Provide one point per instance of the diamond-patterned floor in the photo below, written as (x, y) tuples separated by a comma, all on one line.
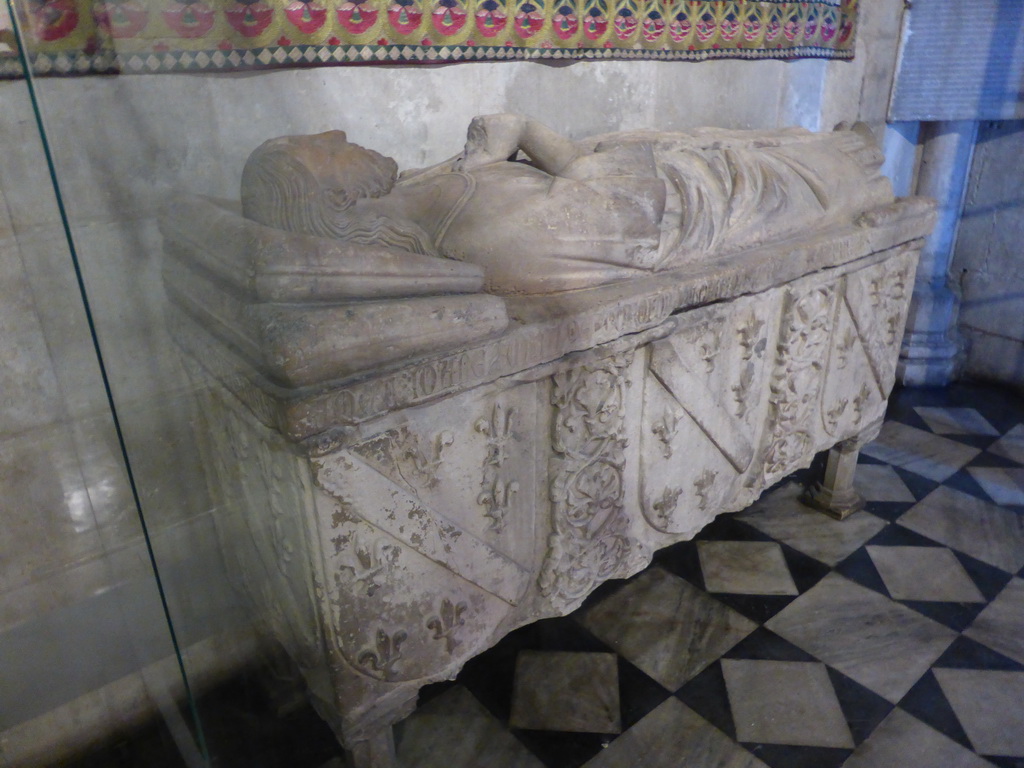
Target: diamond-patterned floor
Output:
[(778, 638), (782, 638)]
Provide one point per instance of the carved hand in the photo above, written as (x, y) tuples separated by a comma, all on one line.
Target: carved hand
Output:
[(490, 139)]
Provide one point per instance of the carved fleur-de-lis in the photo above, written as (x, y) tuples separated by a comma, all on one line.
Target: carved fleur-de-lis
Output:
[(860, 400), (898, 288), (892, 328), (388, 651), (665, 428), (369, 560), (702, 484), (446, 621), (498, 429), (834, 413), (418, 465), (875, 291), (708, 350), (498, 500), (748, 337), (844, 348), (666, 505), (741, 390)]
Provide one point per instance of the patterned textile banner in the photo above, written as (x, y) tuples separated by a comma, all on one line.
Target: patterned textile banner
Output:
[(84, 36)]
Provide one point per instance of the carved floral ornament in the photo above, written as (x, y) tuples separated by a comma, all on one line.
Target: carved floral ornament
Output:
[(589, 543), (157, 35), (796, 378)]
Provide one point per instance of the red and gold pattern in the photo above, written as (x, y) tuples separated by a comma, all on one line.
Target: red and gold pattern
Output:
[(127, 34)]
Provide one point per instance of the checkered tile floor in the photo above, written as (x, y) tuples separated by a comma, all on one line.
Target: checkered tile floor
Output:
[(782, 638)]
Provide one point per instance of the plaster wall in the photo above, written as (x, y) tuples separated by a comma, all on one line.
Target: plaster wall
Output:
[(989, 257), (122, 146)]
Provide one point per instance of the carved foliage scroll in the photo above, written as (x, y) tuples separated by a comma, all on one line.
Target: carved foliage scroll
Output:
[(888, 299), (796, 381), (589, 542)]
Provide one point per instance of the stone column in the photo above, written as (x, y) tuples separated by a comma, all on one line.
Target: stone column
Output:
[(931, 352)]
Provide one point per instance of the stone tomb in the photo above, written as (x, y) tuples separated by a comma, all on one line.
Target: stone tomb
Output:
[(421, 446)]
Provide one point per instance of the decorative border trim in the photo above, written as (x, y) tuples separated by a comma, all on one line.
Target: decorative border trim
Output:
[(79, 37), (287, 57)]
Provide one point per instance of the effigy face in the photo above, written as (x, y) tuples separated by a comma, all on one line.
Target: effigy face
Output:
[(417, 466)]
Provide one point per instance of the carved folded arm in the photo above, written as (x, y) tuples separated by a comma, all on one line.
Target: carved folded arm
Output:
[(494, 138)]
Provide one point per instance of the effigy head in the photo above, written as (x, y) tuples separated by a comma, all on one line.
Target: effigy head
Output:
[(306, 183)]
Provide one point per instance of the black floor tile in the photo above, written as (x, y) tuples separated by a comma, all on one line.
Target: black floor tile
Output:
[(928, 703), (786, 756), (862, 708), (683, 560), (638, 694), (560, 749), (1002, 407), (963, 481), (764, 645), (1005, 762), (863, 458), (956, 616), (918, 485), (430, 692), (898, 536), (986, 459), (890, 511), (805, 570), (757, 608), (860, 568), (706, 695), (975, 441), (901, 409), (966, 653), (490, 677), (989, 579), (730, 528)]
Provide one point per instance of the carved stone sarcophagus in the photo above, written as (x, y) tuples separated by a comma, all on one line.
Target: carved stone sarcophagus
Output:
[(411, 467)]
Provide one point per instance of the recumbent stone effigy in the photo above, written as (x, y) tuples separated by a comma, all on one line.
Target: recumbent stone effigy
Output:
[(441, 405)]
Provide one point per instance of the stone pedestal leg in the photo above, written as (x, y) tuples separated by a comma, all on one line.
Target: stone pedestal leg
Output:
[(376, 752), (834, 494)]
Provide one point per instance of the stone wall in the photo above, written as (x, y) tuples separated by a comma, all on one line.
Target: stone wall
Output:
[(121, 147), (988, 260)]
